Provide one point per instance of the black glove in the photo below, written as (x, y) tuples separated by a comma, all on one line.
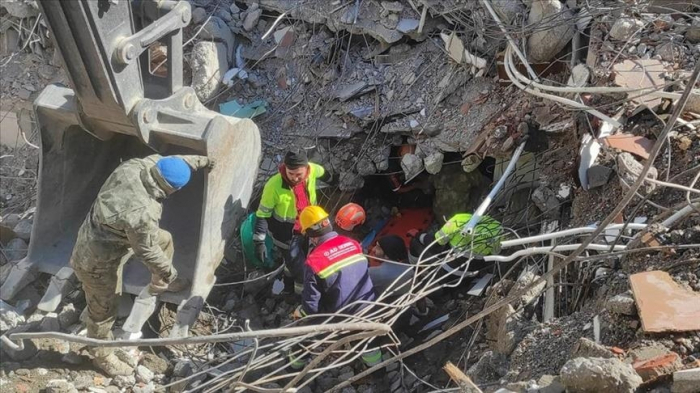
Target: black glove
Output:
[(261, 251)]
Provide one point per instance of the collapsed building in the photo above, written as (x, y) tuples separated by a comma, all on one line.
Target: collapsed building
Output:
[(421, 106)]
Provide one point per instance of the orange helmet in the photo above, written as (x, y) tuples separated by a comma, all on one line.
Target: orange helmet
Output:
[(350, 216)]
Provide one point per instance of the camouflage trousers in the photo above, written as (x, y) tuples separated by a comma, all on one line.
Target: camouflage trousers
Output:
[(100, 280)]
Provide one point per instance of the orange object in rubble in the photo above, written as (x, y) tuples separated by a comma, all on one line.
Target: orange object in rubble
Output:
[(350, 216)]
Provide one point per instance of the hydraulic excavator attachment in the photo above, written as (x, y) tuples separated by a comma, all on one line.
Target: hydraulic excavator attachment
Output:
[(116, 110)]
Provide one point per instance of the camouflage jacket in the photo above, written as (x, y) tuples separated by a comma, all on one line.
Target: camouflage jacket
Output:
[(126, 214)]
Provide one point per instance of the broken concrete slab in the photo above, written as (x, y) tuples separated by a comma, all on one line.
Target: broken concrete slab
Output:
[(554, 27), (411, 165), (491, 366), (583, 375), (586, 348), (16, 249), (639, 74), (686, 381), (356, 89), (663, 305), (209, 64), (433, 162), (637, 145), (9, 317)]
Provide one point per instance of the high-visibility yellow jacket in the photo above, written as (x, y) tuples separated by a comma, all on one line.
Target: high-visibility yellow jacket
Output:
[(278, 204), (485, 240)]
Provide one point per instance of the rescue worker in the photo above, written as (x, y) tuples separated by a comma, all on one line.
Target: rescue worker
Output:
[(335, 274), (486, 240), (390, 248), (125, 217), (284, 196)]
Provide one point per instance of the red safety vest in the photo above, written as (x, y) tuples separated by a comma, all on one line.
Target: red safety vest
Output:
[(335, 254)]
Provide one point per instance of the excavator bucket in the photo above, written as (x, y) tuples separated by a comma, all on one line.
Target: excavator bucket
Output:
[(109, 117)]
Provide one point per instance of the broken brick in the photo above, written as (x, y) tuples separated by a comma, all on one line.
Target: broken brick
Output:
[(658, 366)]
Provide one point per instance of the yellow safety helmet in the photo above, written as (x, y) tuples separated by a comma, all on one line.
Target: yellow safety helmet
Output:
[(311, 216)]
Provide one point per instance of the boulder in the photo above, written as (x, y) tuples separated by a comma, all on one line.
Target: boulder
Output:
[(554, 27), (668, 51), (692, 35), (624, 28), (209, 64), (217, 30), (587, 375)]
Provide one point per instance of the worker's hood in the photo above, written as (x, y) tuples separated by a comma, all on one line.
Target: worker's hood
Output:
[(155, 184)]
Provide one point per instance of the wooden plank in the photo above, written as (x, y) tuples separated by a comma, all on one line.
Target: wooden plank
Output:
[(464, 382)]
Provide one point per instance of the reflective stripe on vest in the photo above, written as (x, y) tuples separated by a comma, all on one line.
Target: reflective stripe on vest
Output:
[(278, 200), (333, 255)]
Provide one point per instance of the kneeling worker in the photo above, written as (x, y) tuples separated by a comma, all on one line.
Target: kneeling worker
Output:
[(335, 273), (486, 240), (125, 216)]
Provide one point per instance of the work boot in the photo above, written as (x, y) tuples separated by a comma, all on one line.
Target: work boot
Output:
[(112, 366)]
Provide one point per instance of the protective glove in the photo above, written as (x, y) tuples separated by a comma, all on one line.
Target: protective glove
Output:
[(211, 163), (261, 251), (159, 284)]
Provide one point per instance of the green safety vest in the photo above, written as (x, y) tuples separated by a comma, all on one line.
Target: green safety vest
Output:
[(278, 200), (486, 238)]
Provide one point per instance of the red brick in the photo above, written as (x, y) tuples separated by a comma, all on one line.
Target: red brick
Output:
[(617, 350), (658, 366)]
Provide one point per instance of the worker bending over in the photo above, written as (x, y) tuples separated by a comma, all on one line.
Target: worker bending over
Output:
[(390, 248), (335, 274), (285, 195), (124, 217), (486, 240)]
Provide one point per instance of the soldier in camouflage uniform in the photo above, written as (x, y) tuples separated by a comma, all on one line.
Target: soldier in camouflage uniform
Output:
[(125, 217)]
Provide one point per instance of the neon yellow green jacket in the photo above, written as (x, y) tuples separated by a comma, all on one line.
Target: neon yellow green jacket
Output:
[(486, 238)]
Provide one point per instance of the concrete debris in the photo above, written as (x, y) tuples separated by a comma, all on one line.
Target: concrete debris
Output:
[(433, 163), (664, 305), (9, 318), (586, 375), (668, 52), (143, 374), (155, 363), (209, 64), (350, 181), (491, 366), (455, 48), (554, 26), (629, 169), (411, 165), (622, 304), (20, 9), (526, 278), (640, 74), (624, 28), (199, 15), (68, 316), (598, 176), (251, 19), (686, 381), (546, 200), (216, 29), (586, 348), (16, 249), (23, 229), (50, 323), (60, 386), (548, 384)]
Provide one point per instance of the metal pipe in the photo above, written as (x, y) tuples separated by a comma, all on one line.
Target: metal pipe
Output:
[(469, 227), (155, 342), (679, 215), (546, 249), (564, 233)]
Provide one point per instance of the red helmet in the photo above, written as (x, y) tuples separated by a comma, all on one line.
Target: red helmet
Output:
[(350, 216)]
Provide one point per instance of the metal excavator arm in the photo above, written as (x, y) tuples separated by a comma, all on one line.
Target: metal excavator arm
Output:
[(118, 109)]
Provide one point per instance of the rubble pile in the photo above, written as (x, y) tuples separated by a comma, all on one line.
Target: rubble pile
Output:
[(436, 92)]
